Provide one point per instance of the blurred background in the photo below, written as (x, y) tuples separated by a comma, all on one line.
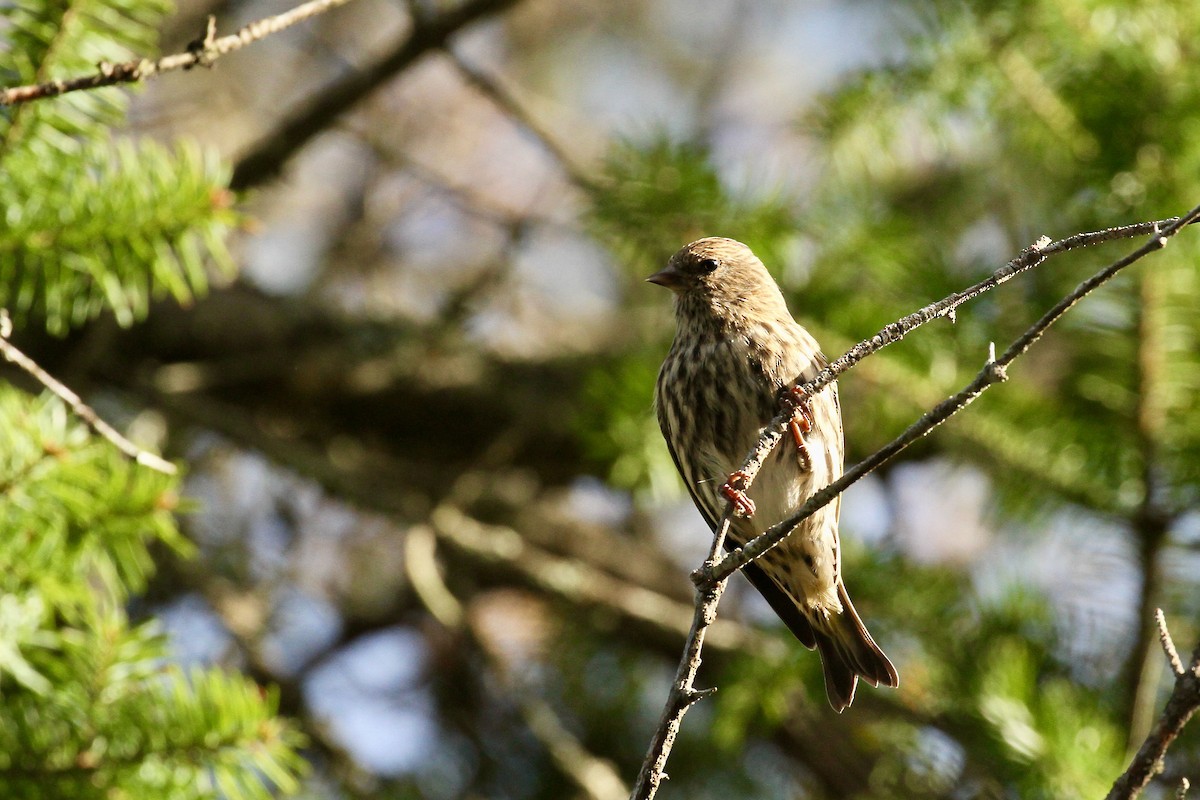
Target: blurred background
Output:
[(427, 493)]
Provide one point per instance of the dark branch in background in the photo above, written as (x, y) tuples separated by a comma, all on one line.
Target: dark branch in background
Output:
[(73, 401), (710, 578), (1181, 706), (429, 32), (595, 777), (203, 52), (510, 106), (576, 582), (1150, 522)]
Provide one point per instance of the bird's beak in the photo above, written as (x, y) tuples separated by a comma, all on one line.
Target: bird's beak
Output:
[(668, 276)]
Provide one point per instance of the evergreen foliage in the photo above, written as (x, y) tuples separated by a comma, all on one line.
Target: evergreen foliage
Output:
[(92, 222), (89, 705)]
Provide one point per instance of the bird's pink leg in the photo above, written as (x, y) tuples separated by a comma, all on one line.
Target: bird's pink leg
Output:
[(734, 490), (801, 422)]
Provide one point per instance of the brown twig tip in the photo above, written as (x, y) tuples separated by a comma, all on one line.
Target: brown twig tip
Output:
[(1168, 645)]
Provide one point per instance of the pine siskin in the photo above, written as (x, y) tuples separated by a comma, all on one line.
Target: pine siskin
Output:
[(736, 350)]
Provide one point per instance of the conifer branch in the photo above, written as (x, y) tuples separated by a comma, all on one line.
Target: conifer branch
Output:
[(202, 52)]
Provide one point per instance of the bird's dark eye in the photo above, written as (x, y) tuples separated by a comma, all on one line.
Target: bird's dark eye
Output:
[(707, 265)]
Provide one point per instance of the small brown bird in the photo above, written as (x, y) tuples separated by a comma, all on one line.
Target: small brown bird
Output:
[(736, 350)]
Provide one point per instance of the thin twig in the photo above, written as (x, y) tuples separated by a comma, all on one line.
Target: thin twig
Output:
[(1168, 646), (1181, 706), (684, 694), (507, 102), (202, 52), (81, 409), (711, 577)]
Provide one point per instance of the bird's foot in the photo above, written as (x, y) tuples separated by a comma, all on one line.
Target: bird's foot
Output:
[(801, 423), (734, 490)]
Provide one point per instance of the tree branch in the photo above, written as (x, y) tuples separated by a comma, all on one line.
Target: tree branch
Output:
[(1150, 522), (81, 409), (1181, 705), (711, 577), (595, 777), (1168, 644), (577, 582), (432, 32), (202, 52), (508, 104), (684, 694), (994, 371)]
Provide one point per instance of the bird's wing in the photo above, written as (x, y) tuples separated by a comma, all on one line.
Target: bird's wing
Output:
[(776, 598), (827, 403), (836, 454)]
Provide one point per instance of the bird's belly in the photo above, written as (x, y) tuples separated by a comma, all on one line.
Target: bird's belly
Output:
[(782, 486), (803, 564)]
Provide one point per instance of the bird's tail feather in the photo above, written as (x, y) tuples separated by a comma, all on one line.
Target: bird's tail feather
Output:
[(848, 652)]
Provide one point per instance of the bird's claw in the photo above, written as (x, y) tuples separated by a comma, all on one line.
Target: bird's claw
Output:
[(734, 490), (801, 423)]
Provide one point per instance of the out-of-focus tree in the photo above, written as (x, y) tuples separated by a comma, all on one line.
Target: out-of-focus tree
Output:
[(90, 706), (432, 507)]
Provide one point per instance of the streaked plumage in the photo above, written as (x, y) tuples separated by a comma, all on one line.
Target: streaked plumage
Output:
[(736, 347)]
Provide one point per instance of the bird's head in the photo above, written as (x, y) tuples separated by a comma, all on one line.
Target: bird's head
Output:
[(723, 275)]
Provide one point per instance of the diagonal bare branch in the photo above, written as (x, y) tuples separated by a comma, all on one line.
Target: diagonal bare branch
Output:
[(994, 371), (81, 409), (1181, 706), (203, 52), (710, 579), (429, 32)]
